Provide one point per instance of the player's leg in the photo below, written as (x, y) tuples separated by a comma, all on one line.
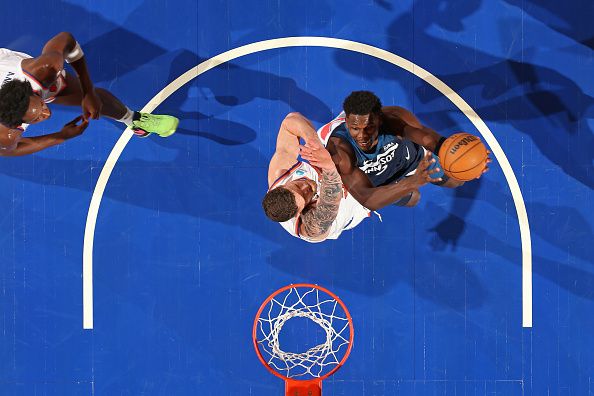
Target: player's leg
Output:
[(141, 123)]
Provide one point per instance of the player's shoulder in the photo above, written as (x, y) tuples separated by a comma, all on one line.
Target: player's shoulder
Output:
[(279, 170), (10, 61), (332, 127), (342, 153), (338, 144), (7, 52), (46, 65)]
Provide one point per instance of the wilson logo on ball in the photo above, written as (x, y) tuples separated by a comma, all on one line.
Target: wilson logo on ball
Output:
[(463, 156), (467, 139)]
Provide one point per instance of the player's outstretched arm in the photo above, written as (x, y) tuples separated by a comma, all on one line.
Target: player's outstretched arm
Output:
[(317, 220), (293, 127), (401, 122), (12, 145), (358, 183)]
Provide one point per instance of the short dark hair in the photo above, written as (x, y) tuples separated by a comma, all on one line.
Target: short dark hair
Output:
[(279, 204), (362, 103), (14, 102)]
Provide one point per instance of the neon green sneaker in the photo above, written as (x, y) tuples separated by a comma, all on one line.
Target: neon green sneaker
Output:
[(144, 124)]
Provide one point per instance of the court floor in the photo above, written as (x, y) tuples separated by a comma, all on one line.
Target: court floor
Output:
[(182, 255)]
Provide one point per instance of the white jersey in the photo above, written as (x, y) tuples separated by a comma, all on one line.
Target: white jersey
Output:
[(10, 69), (350, 212)]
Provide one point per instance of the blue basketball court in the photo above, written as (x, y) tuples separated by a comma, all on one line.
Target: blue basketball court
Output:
[(163, 245)]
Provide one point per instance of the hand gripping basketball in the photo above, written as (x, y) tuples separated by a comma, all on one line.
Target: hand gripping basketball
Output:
[(464, 157), (423, 174)]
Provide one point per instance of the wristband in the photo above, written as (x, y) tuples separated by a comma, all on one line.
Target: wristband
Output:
[(75, 54), (439, 144)]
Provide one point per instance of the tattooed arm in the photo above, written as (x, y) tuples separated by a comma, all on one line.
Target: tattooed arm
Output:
[(317, 220)]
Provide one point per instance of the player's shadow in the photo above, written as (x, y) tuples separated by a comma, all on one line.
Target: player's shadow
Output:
[(117, 57), (538, 101), (574, 280), (184, 103), (555, 118), (273, 19), (354, 263), (205, 189), (229, 85), (449, 230), (560, 226), (568, 19), (113, 52), (213, 193)]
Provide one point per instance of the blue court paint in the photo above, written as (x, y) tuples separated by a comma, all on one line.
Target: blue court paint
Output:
[(184, 256)]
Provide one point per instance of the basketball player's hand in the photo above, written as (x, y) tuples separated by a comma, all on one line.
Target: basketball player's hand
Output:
[(487, 162), (74, 128), (91, 105), (422, 175), (316, 154)]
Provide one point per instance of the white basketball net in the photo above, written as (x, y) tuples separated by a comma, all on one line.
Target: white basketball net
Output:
[(323, 310)]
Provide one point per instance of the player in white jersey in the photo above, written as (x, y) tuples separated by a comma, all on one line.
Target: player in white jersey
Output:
[(308, 199), (10, 69), (28, 84)]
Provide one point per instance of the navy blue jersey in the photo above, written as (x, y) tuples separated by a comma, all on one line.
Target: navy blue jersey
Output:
[(392, 159)]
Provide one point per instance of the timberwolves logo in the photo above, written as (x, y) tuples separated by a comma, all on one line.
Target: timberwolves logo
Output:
[(380, 163)]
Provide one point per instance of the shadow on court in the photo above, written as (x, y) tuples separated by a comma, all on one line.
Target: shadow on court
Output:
[(574, 280), (538, 101)]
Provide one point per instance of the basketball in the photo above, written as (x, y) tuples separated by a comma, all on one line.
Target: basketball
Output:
[(463, 156)]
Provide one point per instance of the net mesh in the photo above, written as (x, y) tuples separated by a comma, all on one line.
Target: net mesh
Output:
[(317, 306)]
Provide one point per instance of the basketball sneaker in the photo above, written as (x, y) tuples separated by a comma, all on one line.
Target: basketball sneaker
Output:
[(143, 124)]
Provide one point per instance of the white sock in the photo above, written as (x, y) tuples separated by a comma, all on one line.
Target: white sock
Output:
[(127, 118)]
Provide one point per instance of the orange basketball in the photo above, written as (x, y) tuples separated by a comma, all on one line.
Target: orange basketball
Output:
[(463, 156)]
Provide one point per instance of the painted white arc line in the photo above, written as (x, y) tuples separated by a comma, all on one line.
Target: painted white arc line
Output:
[(312, 42)]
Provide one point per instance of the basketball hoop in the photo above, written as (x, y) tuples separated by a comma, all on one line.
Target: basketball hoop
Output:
[(303, 372)]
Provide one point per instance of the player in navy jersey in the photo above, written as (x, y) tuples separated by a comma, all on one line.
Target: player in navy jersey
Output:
[(383, 154)]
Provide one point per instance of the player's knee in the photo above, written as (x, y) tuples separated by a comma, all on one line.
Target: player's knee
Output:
[(414, 199)]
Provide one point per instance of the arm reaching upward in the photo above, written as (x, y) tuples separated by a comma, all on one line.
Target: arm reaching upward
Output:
[(358, 183), (399, 121), (293, 127), (317, 220)]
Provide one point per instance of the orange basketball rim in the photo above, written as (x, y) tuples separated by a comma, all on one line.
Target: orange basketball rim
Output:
[(303, 372)]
